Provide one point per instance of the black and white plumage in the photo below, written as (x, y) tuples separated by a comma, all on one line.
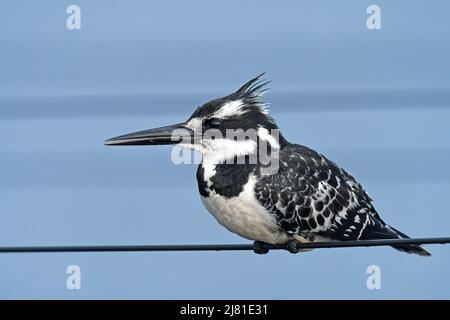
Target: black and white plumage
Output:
[(309, 198)]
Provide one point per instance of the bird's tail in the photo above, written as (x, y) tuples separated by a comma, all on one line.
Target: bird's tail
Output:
[(409, 248), (388, 232)]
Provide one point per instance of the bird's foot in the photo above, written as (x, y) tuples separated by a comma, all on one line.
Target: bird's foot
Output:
[(258, 247), (292, 246)]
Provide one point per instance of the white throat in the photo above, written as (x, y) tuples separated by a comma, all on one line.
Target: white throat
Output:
[(219, 150)]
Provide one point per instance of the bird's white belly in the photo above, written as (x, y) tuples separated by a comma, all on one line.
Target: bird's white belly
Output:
[(245, 216)]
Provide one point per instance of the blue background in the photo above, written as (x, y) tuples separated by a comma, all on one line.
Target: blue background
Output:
[(377, 102)]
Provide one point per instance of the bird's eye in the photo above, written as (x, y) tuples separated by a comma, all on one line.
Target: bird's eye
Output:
[(214, 123)]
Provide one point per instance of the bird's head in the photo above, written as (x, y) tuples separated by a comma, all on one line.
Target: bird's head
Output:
[(234, 125)]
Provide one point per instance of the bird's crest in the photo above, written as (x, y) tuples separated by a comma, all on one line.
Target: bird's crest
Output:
[(252, 91), (255, 87)]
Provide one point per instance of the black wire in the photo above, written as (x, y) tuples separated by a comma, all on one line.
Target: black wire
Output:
[(220, 247)]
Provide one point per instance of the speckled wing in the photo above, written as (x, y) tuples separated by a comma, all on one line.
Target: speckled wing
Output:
[(310, 195)]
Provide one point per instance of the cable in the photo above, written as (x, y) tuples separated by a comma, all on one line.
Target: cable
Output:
[(219, 247)]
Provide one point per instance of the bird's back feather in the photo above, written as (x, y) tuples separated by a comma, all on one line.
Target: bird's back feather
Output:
[(312, 196)]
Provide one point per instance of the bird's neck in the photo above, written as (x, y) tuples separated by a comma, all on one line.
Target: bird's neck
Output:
[(226, 179), (227, 165)]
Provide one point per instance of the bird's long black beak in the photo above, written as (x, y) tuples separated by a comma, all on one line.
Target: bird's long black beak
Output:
[(164, 135)]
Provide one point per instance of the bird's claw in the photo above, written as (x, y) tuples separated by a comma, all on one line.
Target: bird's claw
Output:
[(292, 246), (258, 247)]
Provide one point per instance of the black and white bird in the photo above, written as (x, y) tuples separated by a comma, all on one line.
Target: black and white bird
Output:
[(307, 199)]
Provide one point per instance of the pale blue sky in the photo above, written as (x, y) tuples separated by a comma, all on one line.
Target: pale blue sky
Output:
[(376, 102)]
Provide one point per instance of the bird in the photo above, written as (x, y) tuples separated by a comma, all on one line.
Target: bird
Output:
[(304, 198)]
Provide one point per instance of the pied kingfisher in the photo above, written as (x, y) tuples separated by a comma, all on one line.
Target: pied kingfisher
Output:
[(308, 198)]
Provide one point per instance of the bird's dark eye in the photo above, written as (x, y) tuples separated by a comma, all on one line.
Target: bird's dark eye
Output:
[(214, 123)]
